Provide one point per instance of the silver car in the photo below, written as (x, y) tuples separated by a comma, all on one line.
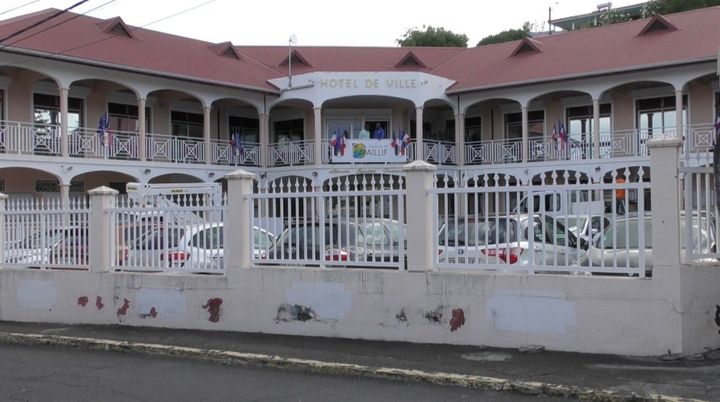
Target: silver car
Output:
[(189, 248), (619, 245), (478, 242)]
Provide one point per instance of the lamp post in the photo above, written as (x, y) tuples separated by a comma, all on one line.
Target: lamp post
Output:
[(291, 41)]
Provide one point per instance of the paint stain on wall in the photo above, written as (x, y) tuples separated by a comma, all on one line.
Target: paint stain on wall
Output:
[(152, 314), (401, 316), (213, 307), (83, 301), (124, 309), (288, 312), (98, 303), (434, 316), (457, 320), (717, 316)]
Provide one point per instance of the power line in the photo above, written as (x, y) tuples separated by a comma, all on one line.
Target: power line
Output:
[(58, 24), (136, 28), (42, 21), (19, 7)]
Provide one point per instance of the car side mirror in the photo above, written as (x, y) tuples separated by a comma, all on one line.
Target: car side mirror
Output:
[(584, 244)]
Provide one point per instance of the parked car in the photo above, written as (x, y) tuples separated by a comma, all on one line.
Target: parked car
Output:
[(192, 247), (42, 247), (344, 241), (619, 245), (585, 226), (482, 241)]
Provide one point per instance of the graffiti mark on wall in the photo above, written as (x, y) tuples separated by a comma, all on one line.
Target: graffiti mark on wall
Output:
[(124, 309), (717, 316), (213, 307), (457, 320), (82, 301), (288, 312)]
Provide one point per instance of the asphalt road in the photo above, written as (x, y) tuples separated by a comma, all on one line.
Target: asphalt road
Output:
[(32, 373)]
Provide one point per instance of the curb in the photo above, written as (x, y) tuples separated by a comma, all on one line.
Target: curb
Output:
[(330, 368)]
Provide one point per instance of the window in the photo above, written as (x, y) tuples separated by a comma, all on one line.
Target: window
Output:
[(47, 186), (2, 105), (473, 129), (289, 130), (53, 186), (125, 117), (536, 125), (580, 125), (210, 239), (46, 110), (249, 129), (427, 127), (2, 185), (656, 115), (349, 128), (186, 124)]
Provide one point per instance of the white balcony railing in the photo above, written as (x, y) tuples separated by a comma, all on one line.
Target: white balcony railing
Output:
[(225, 152), (291, 153), (89, 143), (494, 151), (439, 152), (29, 138), (166, 148)]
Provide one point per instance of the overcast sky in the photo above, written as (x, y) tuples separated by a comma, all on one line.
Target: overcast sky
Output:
[(321, 22)]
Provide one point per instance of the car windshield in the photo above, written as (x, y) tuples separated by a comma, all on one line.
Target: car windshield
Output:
[(477, 233), (156, 239), (576, 224), (46, 239), (625, 234), (302, 235)]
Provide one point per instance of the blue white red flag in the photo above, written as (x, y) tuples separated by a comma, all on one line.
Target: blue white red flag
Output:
[(102, 129)]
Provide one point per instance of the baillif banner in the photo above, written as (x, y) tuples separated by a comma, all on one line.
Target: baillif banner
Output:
[(370, 151)]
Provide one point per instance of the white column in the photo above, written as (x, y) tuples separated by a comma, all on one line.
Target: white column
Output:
[(3, 199), (264, 139), (665, 195), (64, 139), (679, 113), (65, 195), (317, 114), (99, 253), (206, 134), (419, 148), (525, 139), (460, 138), (238, 221), (142, 130), (421, 234), (596, 129)]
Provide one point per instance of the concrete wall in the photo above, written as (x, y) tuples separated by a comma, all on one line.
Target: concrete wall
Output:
[(571, 313)]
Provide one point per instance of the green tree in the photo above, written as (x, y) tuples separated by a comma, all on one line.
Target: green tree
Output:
[(508, 35), (675, 6), (431, 36)]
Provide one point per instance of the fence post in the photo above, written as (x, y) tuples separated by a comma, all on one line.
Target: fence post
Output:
[(421, 235), (3, 199), (101, 199), (665, 200), (238, 223)]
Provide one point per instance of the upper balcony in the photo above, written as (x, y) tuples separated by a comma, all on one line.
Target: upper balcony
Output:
[(43, 140)]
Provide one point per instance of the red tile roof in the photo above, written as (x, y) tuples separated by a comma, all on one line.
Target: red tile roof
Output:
[(587, 52)]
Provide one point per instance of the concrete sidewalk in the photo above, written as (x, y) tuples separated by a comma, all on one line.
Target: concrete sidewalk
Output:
[(596, 377)]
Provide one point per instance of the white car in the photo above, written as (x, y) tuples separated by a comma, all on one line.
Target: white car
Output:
[(619, 245), (503, 240), (585, 227), (189, 248)]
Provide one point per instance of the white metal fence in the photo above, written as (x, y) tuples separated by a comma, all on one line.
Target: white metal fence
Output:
[(173, 233), (46, 234), (699, 225), (354, 221), (561, 222)]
